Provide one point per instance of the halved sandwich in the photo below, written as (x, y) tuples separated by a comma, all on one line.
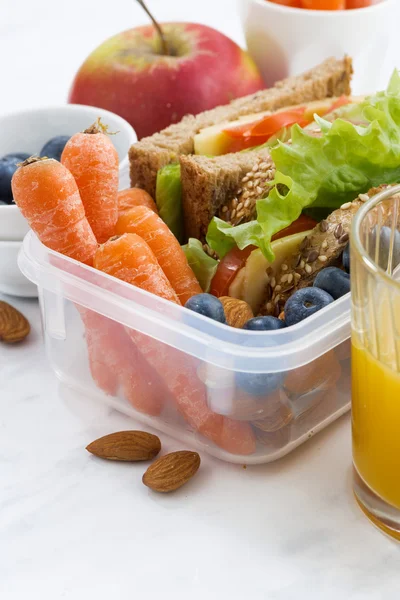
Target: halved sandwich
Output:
[(277, 214), (195, 168)]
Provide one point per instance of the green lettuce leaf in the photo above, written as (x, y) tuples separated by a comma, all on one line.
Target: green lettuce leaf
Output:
[(203, 265), (169, 198), (323, 172)]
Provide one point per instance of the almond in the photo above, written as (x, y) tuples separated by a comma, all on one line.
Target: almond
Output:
[(237, 312), (171, 471), (13, 325), (129, 446)]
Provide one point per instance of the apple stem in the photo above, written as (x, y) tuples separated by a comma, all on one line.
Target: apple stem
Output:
[(164, 43)]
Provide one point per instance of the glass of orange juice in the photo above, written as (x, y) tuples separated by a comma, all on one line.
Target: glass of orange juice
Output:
[(375, 285)]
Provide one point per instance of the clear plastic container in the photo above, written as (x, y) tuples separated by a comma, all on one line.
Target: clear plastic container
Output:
[(243, 396)]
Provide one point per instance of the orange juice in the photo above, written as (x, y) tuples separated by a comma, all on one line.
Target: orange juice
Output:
[(376, 425)]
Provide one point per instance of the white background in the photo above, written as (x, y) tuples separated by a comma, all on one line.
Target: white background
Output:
[(73, 527)]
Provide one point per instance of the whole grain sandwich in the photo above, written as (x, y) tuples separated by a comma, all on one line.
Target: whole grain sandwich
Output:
[(266, 187), (204, 157)]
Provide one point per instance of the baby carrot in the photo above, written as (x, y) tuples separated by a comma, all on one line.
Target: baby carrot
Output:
[(48, 197), (135, 197), (116, 362), (98, 333), (129, 258), (167, 250), (93, 161)]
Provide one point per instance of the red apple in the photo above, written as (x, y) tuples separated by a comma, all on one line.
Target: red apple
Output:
[(129, 75)]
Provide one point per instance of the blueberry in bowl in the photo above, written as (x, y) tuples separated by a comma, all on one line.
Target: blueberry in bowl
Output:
[(54, 147), (334, 281), (8, 166), (20, 156), (304, 303)]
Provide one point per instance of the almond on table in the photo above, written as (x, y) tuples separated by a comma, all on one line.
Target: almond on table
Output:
[(14, 327), (172, 471), (127, 446)]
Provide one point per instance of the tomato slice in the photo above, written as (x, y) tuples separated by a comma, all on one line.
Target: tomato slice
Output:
[(267, 126), (342, 101), (303, 223), (260, 131), (228, 269), (232, 262), (324, 4)]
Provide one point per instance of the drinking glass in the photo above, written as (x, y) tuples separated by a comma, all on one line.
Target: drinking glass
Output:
[(375, 295)]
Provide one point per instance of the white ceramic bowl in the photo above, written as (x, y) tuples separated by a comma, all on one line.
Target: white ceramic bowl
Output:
[(28, 131), (287, 41)]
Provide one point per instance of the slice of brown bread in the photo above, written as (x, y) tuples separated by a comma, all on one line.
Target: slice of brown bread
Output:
[(208, 182), (331, 78)]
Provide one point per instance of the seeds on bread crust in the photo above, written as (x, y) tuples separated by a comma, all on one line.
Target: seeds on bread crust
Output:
[(254, 185), (322, 248)]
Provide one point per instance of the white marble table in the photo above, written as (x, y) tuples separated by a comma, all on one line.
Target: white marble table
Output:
[(78, 528)]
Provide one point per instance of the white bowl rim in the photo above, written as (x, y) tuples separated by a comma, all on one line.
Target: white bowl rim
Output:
[(320, 13)]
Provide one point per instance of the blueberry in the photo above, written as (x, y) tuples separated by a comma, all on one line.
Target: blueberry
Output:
[(207, 305), (334, 281), (8, 166), (259, 384), (304, 303), (54, 147), (19, 156), (264, 324), (384, 246), (346, 258)]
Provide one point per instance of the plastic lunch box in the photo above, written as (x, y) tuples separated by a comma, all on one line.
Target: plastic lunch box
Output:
[(244, 397)]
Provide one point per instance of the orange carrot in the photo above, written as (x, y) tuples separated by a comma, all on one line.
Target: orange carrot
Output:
[(48, 197), (116, 361), (167, 250), (135, 197), (98, 331), (129, 258), (93, 161)]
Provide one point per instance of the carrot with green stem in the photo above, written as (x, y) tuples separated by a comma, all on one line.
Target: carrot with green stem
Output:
[(166, 248), (93, 161), (130, 259)]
